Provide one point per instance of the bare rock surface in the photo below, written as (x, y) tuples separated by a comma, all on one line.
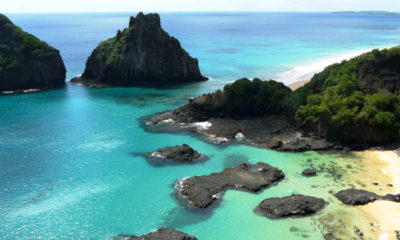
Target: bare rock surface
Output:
[(202, 191), (160, 234), (295, 205)]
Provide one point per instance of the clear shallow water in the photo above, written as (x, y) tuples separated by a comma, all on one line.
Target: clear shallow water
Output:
[(68, 167)]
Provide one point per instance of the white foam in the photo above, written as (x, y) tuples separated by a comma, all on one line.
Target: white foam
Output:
[(157, 154), (167, 121), (179, 184), (306, 70), (217, 140), (19, 91), (202, 125), (239, 136)]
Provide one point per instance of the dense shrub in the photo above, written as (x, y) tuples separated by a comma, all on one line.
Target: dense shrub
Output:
[(245, 98), (335, 99)]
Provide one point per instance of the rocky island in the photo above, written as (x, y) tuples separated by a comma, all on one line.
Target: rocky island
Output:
[(175, 155), (354, 104), (159, 234), (141, 55), (27, 63), (182, 153), (292, 206), (202, 191)]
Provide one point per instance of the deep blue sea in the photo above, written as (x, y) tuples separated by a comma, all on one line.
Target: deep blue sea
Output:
[(69, 167)]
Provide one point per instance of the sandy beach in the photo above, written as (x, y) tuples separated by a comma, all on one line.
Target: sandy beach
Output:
[(385, 213), (301, 74)]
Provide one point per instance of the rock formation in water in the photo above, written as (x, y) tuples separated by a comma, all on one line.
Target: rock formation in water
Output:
[(202, 191), (309, 172), (355, 197), (182, 153), (159, 234), (27, 62), (141, 55), (295, 205)]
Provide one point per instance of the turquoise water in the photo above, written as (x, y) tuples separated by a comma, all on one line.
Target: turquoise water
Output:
[(69, 166)]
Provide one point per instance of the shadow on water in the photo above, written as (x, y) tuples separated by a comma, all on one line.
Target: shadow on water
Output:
[(233, 160), (184, 215), (144, 100)]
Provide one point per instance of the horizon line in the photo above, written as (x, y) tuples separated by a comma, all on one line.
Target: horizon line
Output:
[(205, 11)]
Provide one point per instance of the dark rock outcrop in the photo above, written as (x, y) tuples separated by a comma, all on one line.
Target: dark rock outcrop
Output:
[(309, 172), (202, 191), (276, 132), (295, 205), (182, 153), (141, 55), (27, 62), (160, 234), (356, 197)]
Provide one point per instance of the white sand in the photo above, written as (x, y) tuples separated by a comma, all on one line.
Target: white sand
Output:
[(387, 214), (301, 74)]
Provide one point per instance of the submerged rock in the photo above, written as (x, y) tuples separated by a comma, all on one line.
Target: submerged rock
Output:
[(202, 191), (309, 172), (182, 153), (142, 54), (356, 197), (27, 63), (295, 205), (160, 234)]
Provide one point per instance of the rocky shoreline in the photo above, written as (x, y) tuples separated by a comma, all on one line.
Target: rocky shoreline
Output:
[(274, 132), (355, 197)]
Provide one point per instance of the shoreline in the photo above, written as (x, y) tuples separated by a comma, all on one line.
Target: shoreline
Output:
[(385, 213), (302, 73)]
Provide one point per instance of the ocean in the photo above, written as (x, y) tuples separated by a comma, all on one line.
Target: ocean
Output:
[(70, 159)]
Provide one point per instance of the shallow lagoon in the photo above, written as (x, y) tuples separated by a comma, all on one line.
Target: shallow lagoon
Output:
[(69, 168)]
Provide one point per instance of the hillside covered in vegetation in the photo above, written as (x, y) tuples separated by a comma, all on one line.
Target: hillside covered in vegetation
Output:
[(353, 101), (27, 62)]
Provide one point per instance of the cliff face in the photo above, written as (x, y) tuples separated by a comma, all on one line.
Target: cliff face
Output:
[(142, 54), (26, 62)]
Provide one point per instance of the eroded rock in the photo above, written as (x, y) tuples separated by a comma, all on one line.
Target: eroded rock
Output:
[(309, 172), (160, 234), (295, 205), (182, 153), (202, 191)]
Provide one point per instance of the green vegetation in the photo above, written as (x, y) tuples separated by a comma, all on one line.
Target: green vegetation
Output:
[(255, 97), (356, 99), (17, 47), (248, 98), (336, 100)]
